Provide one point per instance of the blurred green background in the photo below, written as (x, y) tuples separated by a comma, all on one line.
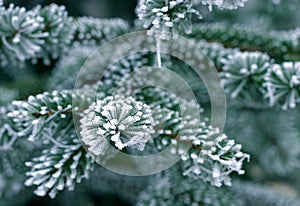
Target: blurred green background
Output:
[(261, 14)]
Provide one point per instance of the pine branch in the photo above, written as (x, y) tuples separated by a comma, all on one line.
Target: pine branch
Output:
[(212, 158), (87, 25), (45, 115), (49, 32), (249, 76), (244, 72), (282, 46), (217, 157), (8, 131), (58, 168), (14, 151), (165, 17), (21, 33), (283, 84), (60, 31), (252, 76), (48, 118)]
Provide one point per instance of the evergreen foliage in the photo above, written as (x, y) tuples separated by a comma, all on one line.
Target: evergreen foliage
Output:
[(42, 148)]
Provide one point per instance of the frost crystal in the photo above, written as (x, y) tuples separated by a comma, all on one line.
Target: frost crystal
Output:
[(223, 4), (123, 121)]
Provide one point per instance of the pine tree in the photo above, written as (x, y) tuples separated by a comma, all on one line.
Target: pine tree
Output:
[(90, 108)]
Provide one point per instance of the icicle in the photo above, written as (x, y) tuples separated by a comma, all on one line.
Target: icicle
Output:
[(158, 50)]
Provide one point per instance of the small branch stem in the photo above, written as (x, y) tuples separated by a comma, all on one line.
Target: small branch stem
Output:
[(58, 144), (9, 144)]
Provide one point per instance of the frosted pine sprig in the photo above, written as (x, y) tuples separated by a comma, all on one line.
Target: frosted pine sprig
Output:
[(48, 32), (58, 168), (212, 157), (166, 16), (283, 85), (122, 121), (217, 158), (22, 32), (243, 73), (60, 31), (43, 115)]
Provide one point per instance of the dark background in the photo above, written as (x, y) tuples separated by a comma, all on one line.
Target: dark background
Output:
[(96, 8)]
